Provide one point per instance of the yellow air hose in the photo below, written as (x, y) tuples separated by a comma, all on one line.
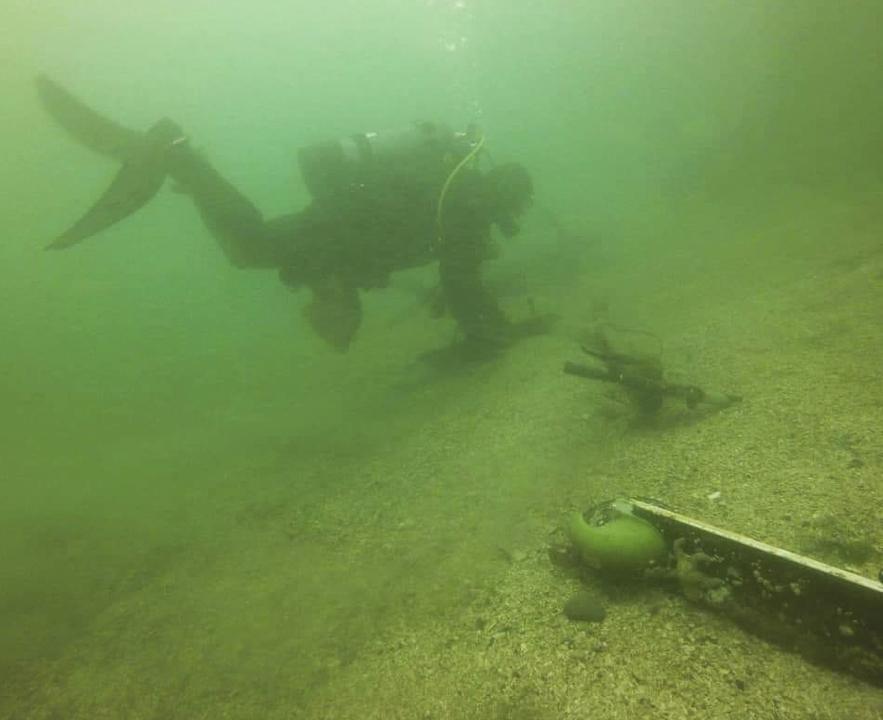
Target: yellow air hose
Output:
[(444, 191)]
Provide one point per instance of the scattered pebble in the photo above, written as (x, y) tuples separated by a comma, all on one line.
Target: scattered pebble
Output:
[(584, 607)]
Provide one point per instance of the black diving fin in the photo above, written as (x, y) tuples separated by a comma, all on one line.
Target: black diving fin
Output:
[(144, 157), (137, 181), (83, 124)]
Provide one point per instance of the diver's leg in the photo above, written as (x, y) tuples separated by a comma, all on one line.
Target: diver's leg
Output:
[(297, 244), (232, 218), (334, 311), (312, 260)]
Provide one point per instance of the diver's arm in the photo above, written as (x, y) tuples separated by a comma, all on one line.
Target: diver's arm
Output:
[(237, 225)]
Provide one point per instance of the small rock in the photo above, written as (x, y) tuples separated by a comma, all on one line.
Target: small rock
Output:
[(584, 607)]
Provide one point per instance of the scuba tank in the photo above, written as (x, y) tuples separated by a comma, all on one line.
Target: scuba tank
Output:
[(337, 168)]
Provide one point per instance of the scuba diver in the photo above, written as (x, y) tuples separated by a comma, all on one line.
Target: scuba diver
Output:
[(380, 203)]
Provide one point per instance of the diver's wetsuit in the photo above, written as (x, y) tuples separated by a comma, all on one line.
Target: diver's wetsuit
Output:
[(381, 203), (354, 243)]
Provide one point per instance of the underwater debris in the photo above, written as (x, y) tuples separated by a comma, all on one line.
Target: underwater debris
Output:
[(643, 378), (829, 616), (611, 539)]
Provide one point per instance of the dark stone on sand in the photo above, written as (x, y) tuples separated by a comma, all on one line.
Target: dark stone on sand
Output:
[(584, 607)]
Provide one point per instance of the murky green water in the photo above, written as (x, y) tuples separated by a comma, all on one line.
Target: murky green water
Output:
[(206, 512)]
